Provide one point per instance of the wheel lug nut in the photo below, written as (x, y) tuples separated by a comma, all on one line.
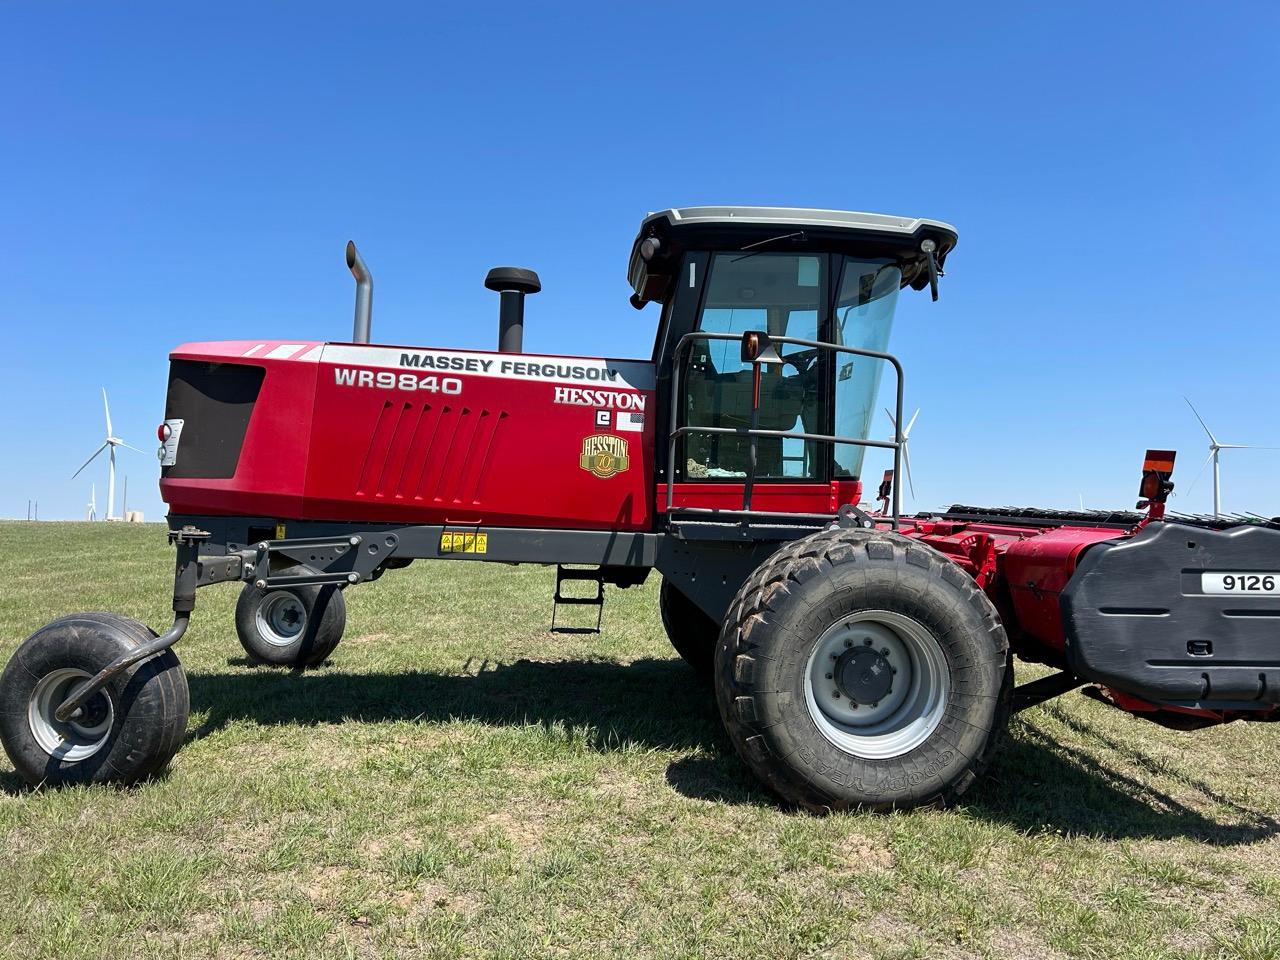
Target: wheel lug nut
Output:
[(848, 643), (866, 643), (836, 694), (828, 676), (884, 651)]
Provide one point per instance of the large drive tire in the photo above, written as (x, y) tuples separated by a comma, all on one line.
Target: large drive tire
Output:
[(129, 730), (691, 632), (862, 668), (290, 626)]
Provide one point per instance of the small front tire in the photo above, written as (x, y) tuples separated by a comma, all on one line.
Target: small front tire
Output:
[(297, 626), (126, 732)]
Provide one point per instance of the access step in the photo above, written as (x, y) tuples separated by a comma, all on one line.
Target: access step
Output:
[(568, 575)]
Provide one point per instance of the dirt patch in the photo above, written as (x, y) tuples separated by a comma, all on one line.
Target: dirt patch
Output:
[(526, 829), (861, 855), (325, 885), (426, 897), (616, 785), (1018, 944), (247, 841)]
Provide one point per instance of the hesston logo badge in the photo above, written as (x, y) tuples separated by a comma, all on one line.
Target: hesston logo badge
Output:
[(604, 455)]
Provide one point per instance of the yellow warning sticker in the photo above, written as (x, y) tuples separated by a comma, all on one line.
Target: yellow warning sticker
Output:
[(279, 531), (464, 543)]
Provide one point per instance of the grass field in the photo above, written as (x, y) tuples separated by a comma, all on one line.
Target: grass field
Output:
[(458, 782)]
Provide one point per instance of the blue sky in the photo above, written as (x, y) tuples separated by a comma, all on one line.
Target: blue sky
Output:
[(176, 173)]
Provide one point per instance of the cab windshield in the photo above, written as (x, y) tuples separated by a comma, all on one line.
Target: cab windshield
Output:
[(812, 391)]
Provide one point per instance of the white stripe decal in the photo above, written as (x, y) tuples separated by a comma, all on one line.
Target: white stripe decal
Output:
[(284, 350), (252, 350), (312, 355), (581, 371)]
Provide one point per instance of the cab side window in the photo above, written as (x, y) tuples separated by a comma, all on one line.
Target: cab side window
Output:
[(867, 295)]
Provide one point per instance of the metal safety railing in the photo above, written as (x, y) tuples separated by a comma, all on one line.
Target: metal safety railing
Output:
[(754, 432)]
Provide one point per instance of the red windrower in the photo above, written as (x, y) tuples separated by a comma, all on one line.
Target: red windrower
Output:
[(859, 656)]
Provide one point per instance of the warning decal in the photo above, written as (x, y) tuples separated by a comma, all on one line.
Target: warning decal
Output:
[(464, 543)]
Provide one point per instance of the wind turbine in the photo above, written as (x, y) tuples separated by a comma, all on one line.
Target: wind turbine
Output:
[(906, 457), (91, 511), (1214, 449), (109, 445)]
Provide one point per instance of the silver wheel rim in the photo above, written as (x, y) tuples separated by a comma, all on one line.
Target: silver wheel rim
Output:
[(77, 739), (856, 654), (281, 618)]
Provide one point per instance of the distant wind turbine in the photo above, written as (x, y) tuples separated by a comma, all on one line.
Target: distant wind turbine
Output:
[(906, 457), (91, 511), (109, 445), (1214, 449)]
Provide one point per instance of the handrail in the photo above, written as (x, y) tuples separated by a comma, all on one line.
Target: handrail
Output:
[(677, 431)]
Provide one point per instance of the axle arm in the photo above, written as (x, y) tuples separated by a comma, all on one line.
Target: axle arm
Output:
[(185, 580)]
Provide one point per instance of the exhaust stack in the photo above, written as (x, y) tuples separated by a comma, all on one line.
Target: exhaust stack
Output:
[(364, 294), (512, 283)]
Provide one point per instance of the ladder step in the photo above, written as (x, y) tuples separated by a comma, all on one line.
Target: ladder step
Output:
[(573, 574), (559, 599)]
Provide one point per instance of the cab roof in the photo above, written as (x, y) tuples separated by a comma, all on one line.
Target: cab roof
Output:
[(798, 217), (781, 229)]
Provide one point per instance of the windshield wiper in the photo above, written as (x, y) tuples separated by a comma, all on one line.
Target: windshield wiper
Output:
[(799, 234)]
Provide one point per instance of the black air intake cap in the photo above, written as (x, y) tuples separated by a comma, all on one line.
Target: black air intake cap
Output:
[(513, 278)]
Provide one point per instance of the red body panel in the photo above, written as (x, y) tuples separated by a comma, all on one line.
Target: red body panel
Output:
[(1027, 567), (774, 497), (501, 452), (413, 435), (271, 473), (1037, 570)]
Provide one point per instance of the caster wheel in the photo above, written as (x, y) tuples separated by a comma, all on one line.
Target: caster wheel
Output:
[(290, 626), (125, 732)]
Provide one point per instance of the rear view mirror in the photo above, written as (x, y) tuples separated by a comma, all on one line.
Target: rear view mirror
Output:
[(930, 249), (757, 347)]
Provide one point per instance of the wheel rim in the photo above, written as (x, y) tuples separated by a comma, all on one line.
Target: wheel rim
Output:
[(76, 739), (281, 618), (877, 684)]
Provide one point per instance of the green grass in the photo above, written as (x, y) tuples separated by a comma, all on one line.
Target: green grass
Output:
[(458, 782)]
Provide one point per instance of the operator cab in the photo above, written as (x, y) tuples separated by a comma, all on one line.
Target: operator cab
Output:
[(819, 275)]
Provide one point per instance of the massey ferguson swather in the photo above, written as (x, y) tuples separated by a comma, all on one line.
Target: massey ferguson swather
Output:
[(859, 657)]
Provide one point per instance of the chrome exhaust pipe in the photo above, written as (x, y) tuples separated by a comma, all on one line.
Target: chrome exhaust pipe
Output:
[(364, 294)]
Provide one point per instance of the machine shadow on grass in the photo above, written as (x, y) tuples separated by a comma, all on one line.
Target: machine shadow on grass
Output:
[(1035, 784), (653, 703)]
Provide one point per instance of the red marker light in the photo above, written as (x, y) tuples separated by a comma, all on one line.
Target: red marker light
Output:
[(163, 432)]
